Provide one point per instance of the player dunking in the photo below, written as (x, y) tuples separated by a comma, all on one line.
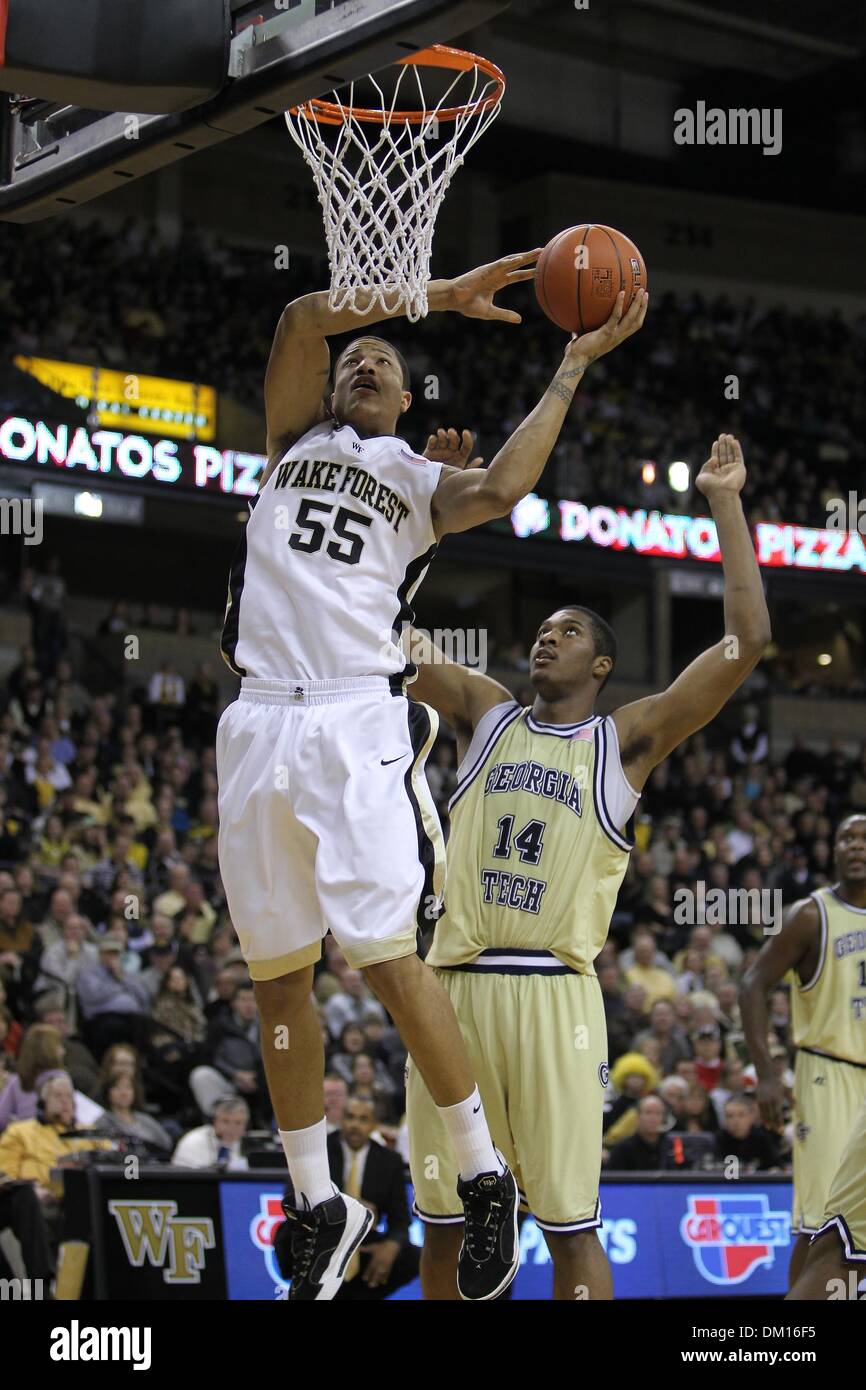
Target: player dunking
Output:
[(537, 853), (325, 819), (823, 940)]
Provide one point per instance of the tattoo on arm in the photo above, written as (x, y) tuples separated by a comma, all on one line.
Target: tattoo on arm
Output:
[(566, 393)]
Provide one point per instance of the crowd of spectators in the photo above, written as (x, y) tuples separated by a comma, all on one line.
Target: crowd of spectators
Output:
[(787, 381), (121, 977)]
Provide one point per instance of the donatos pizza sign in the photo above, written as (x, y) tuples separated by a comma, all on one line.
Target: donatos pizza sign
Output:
[(778, 545)]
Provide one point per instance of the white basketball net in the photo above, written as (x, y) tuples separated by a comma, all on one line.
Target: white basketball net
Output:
[(381, 186)]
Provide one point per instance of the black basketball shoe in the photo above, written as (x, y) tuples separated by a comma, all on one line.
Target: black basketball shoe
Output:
[(323, 1239), (490, 1252)]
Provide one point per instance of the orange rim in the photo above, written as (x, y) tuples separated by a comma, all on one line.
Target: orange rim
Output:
[(438, 56)]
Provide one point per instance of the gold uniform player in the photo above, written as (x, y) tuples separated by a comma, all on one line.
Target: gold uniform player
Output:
[(840, 1245), (845, 1209), (823, 942), (845, 1212), (537, 852)]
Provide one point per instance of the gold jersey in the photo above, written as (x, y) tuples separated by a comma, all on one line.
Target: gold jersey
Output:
[(537, 851), (828, 1012)]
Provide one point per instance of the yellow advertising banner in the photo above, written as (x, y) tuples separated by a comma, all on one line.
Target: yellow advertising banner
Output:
[(152, 404)]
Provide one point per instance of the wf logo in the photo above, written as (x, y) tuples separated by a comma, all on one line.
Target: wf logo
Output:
[(153, 1232)]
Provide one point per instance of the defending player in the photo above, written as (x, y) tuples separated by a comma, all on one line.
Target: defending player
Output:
[(823, 940), (326, 822), (536, 856)]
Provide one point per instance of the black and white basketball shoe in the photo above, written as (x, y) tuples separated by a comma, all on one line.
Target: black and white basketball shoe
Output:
[(324, 1238), (490, 1252)]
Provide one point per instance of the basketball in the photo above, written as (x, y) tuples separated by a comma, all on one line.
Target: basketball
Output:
[(582, 270)]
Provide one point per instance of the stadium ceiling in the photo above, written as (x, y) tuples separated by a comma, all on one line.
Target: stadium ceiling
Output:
[(783, 40)]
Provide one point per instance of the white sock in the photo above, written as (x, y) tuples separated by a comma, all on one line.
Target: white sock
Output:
[(470, 1136), (307, 1156)]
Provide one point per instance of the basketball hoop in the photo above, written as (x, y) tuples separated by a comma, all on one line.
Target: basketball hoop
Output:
[(381, 193)]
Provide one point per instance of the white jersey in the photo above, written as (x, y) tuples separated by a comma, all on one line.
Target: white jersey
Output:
[(336, 544)]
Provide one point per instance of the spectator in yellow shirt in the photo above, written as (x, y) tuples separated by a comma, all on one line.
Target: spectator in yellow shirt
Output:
[(30, 1198), (207, 822), (173, 900), (197, 919), (136, 852), (30, 1149), (53, 845), (134, 794), (700, 939), (656, 981), (90, 799)]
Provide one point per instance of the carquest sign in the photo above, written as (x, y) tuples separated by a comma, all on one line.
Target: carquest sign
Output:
[(777, 544)]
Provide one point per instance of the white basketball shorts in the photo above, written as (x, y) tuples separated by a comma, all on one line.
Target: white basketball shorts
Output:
[(327, 821)]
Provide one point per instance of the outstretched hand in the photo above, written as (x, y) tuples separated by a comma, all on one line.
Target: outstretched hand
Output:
[(724, 470), (447, 446), (472, 294), (618, 327)]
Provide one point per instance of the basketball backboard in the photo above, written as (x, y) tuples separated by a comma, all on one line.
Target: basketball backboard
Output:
[(54, 157)]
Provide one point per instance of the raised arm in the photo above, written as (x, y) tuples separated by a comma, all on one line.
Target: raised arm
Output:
[(460, 695), (466, 498), (300, 363), (649, 729), (794, 948)]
